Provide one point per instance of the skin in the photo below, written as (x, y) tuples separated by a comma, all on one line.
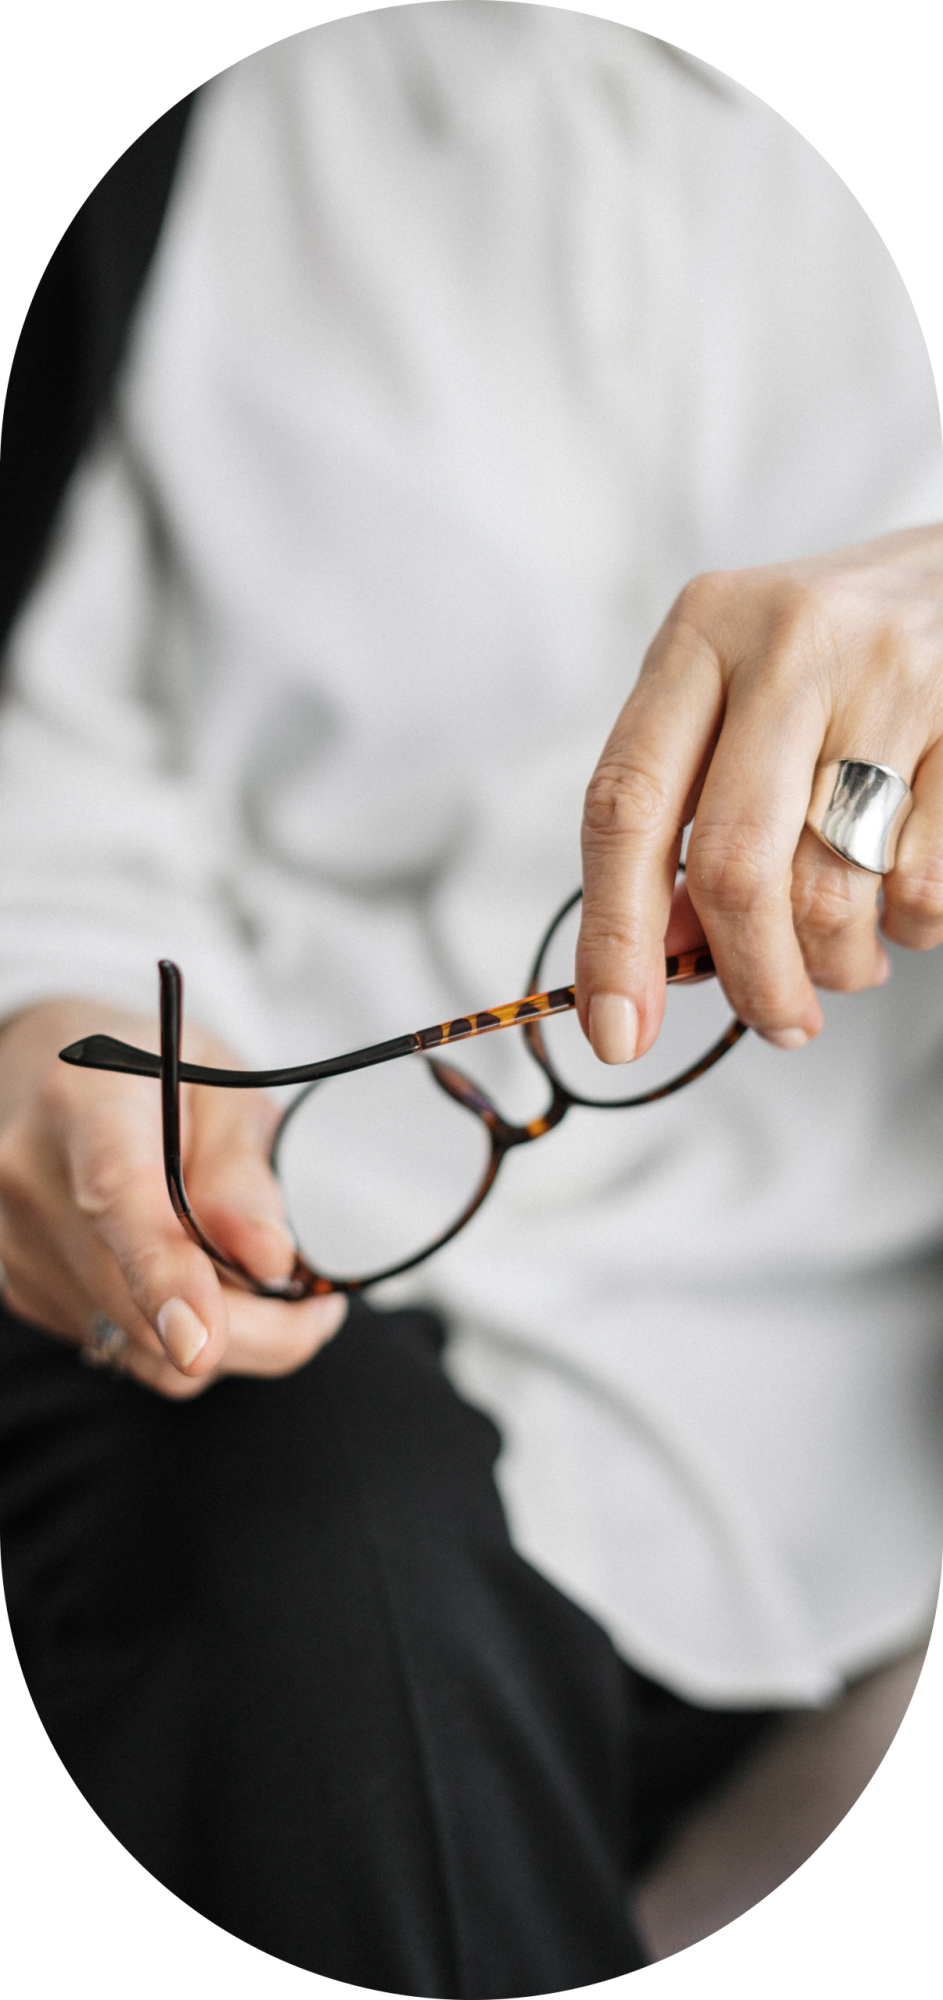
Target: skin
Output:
[(86, 1225), (754, 679)]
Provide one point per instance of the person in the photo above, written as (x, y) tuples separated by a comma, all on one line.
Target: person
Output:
[(472, 335)]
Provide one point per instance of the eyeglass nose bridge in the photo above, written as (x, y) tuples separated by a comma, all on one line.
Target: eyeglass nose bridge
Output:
[(528, 1014), (504, 1135)]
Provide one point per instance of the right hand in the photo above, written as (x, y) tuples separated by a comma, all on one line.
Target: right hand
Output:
[(86, 1224), (757, 677)]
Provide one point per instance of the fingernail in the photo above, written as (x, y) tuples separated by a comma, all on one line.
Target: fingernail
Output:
[(613, 1027), (182, 1334), (786, 1038)]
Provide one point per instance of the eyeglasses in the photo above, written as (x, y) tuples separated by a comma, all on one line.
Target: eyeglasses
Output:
[(404, 1158)]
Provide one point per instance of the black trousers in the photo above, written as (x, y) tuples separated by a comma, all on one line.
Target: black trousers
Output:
[(281, 1641)]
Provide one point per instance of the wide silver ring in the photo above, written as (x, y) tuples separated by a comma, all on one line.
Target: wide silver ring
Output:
[(858, 809), (105, 1345)]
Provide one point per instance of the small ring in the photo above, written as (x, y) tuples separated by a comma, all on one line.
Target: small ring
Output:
[(105, 1346), (858, 810)]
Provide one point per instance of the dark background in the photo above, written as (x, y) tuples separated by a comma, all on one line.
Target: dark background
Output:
[(74, 95), (862, 1915)]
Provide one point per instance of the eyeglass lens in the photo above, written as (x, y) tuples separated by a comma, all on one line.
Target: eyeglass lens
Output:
[(379, 1164)]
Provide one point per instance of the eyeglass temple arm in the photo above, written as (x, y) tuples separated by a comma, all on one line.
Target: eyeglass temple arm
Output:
[(301, 1280), (168, 1069), (105, 1053)]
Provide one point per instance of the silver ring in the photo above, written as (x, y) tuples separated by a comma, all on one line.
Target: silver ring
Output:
[(858, 809), (105, 1345)]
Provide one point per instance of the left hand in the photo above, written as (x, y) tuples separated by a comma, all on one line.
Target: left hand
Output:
[(755, 678), (86, 1226)]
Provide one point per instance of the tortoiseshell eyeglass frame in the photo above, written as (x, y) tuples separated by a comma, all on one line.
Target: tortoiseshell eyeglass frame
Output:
[(103, 1052)]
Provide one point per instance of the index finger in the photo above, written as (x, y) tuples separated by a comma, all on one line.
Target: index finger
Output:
[(115, 1160), (639, 800)]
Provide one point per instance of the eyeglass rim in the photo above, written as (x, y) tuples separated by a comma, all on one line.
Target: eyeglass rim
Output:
[(504, 1137), (501, 1140), (533, 1036), (305, 1281)]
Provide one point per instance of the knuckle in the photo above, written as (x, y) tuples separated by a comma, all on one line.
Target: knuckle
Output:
[(732, 869), (798, 604), (703, 597), (831, 904), (797, 608), (624, 798), (101, 1177), (613, 935), (106, 1180), (797, 646), (144, 1267), (141, 1266), (917, 895)]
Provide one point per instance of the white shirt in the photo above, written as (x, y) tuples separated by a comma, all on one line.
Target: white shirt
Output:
[(472, 333)]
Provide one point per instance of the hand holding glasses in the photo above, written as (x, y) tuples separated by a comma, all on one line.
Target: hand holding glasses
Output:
[(350, 1114)]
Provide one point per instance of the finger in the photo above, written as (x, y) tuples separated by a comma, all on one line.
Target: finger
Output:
[(43, 1280), (140, 1267), (913, 891), (232, 1188), (267, 1339), (685, 930), (88, 1228), (638, 801), (263, 1336), (41, 1287), (834, 909), (120, 1194), (746, 830), (271, 1337), (155, 1372), (38, 1286)]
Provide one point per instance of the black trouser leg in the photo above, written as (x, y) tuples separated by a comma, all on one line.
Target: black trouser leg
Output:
[(279, 1637)]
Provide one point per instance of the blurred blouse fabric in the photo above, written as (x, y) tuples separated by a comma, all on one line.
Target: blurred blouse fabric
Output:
[(473, 332)]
